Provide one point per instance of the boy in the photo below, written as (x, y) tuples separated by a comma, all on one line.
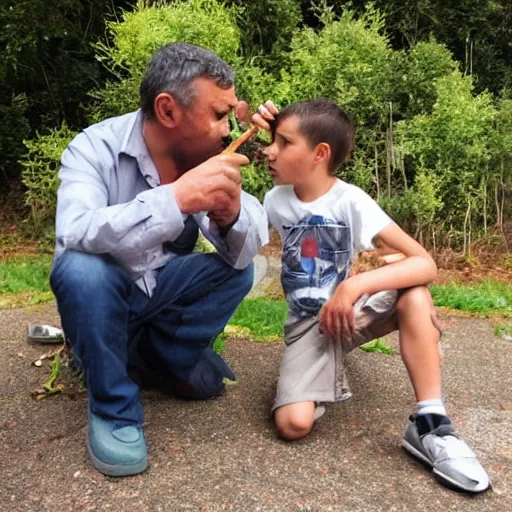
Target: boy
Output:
[(323, 223)]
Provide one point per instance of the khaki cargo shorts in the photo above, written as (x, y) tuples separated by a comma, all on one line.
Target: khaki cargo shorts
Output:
[(312, 368)]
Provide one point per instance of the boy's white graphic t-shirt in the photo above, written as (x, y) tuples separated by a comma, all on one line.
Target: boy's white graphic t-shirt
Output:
[(319, 240)]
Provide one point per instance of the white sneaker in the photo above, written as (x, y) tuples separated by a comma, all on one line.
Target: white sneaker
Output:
[(432, 438)]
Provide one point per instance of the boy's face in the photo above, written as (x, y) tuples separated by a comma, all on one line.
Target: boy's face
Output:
[(290, 156)]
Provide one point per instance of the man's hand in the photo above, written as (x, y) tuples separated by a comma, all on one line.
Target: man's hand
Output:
[(242, 115), (337, 314), (226, 216), (213, 186)]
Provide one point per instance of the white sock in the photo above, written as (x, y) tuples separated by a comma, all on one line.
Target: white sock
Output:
[(431, 406)]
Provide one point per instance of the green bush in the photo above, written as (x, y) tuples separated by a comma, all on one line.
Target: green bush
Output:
[(14, 128), (204, 22), (347, 61), (452, 147), (256, 180), (433, 153), (417, 72), (47, 67), (116, 98), (207, 23), (350, 61), (39, 174), (267, 27)]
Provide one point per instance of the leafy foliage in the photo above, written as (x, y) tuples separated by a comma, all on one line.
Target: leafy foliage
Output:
[(40, 171), (417, 72), (477, 33), (377, 346), (132, 44), (433, 150), (267, 27), (13, 130), (47, 66), (347, 60), (450, 150), (194, 21), (256, 180)]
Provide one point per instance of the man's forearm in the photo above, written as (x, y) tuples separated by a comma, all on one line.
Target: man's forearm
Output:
[(148, 220)]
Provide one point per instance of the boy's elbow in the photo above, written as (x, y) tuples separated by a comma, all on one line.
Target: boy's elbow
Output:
[(431, 269)]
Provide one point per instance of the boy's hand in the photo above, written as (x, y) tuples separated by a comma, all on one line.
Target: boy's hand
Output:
[(387, 259), (337, 314), (264, 114)]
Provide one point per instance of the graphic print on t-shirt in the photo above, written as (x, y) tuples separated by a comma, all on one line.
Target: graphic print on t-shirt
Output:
[(316, 257)]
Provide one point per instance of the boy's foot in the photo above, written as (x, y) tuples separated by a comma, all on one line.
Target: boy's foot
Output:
[(116, 451), (432, 438)]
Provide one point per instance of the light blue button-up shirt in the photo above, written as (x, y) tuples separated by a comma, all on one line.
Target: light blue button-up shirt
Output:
[(110, 201)]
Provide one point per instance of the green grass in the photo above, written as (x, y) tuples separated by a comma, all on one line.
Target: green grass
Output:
[(25, 274), (377, 346), (503, 331), (24, 281), (485, 297), (263, 318)]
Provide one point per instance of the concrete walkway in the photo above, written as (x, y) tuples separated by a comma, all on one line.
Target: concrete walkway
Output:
[(223, 455)]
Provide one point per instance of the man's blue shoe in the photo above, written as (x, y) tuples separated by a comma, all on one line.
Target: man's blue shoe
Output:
[(114, 450)]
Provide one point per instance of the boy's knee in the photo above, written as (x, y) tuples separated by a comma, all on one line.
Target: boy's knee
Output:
[(414, 300), (293, 425)]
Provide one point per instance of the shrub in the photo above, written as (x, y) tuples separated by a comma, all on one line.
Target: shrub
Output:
[(417, 72), (452, 147), (14, 128), (347, 61), (203, 22), (267, 27), (39, 174), (256, 180)]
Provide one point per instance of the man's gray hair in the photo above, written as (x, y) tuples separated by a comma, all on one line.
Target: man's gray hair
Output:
[(173, 69)]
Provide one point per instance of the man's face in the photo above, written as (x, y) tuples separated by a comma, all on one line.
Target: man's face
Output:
[(290, 156), (205, 122)]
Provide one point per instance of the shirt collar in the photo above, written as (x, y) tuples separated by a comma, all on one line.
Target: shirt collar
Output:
[(134, 145)]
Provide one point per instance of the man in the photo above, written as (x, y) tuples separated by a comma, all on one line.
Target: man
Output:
[(133, 299)]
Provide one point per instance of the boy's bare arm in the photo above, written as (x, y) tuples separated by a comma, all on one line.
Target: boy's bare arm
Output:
[(409, 265), (385, 254)]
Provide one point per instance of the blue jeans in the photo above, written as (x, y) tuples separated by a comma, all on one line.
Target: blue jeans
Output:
[(112, 325)]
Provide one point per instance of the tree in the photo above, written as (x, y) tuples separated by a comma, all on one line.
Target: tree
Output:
[(47, 65)]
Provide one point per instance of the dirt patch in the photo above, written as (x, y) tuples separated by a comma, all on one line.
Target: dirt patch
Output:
[(273, 248), (14, 246)]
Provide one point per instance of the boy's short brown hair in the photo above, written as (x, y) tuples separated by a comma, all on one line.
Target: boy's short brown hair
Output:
[(322, 120)]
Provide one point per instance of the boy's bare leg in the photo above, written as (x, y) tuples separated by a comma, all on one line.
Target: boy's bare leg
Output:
[(295, 421), (431, 436), (419, 342)]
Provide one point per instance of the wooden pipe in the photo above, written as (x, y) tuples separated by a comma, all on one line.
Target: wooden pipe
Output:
[(253, 130)]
